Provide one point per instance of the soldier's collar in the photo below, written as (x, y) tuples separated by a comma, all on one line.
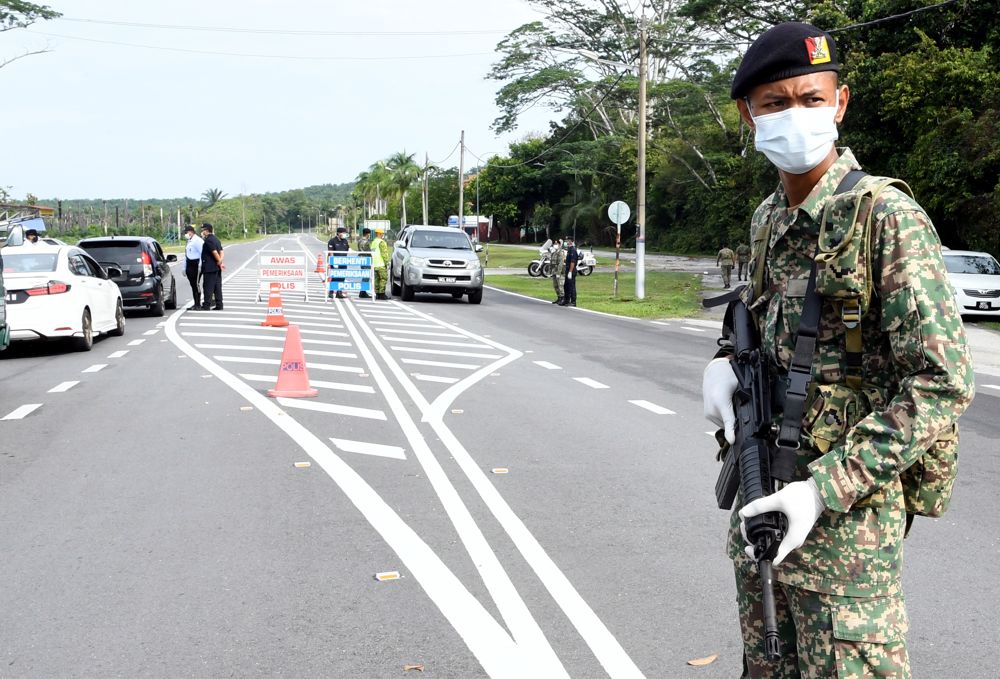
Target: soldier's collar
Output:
[(816, 200)]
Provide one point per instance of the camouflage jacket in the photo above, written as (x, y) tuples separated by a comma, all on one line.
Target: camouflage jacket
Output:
[(917, 372), (558, 260), (726, 257)]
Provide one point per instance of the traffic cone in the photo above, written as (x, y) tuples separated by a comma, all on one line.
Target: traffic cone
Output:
[(320, 264), (275, 310), (293, 379)]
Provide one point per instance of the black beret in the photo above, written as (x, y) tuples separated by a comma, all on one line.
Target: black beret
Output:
[(785, 51), (207, 227), (341, 229)]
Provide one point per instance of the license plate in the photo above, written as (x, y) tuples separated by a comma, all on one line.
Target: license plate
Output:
[(447, 280), (10, 297), (985, 306)]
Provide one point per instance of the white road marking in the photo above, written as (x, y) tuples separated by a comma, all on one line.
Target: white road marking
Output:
[(316, 384), (245, 347), (593, 384), (151, 332), (97, 367), (547, 365), (423, 333), (659, 323), (261, 328), (275, 361), (332, 408), (434, 378), (404, 325), (437, 343), (445, 352), (266, 338), (63, 386), (440, 364), (487, 639), (688, 327), (135, 342), (992, 386), (22, 412), (118, 354), (653, 408), (395, 452)]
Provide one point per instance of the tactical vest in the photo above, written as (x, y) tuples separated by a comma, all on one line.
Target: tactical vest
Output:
[(844, 259)]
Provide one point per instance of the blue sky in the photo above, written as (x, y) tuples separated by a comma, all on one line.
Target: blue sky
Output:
[(91, 119)]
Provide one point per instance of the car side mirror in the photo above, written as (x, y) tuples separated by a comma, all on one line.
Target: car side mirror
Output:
[(171, 258), (479, 247), (113, 272)]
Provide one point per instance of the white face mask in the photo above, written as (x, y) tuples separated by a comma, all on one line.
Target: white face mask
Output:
[(797, 139)]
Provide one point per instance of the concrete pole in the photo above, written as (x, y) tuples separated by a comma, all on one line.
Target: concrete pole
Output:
[(461, 183), (427, 165), (640, 241)]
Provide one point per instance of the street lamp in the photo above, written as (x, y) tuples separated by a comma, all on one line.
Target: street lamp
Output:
[(640, 193)]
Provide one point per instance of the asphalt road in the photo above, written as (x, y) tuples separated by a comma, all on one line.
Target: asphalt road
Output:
[(154, 522)]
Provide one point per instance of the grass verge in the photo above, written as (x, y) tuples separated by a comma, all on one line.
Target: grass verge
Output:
[(668, 294), (512, 257)]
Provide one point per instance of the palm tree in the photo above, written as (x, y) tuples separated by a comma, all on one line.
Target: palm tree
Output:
[(213, 196), (404, 171)]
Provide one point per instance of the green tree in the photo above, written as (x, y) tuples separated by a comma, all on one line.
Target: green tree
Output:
[(403, 172), (16, 14), (213, 196)]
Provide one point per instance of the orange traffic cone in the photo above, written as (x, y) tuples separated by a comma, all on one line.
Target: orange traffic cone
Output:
[(293, 379), (275, 310), (320, 264)]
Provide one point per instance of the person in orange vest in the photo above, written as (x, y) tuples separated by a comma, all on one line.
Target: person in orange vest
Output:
[(380, 262)]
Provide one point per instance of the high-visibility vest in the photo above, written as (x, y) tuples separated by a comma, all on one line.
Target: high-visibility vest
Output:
[(376, 247)]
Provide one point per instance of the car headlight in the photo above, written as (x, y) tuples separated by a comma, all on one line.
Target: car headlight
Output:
[(418, 261), (475, 264)]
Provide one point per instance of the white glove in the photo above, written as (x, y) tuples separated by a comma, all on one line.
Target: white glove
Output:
[(800, 502), (569, 274), (718, 384)]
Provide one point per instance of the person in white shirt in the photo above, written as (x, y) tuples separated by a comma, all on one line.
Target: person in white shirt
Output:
[(192, 257)]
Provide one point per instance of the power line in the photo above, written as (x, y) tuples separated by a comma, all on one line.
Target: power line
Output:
[(275, 31), (438, 162), (264, 56), (894, 16)]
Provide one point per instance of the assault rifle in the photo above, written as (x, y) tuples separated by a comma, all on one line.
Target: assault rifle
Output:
[(747, 464)]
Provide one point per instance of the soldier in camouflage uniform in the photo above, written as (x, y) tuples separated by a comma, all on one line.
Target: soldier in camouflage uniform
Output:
[(726, 259), (557, 262), (838, 570), (743, 260), (365, 245)]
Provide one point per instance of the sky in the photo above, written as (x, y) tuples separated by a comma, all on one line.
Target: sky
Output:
[(105, 115)]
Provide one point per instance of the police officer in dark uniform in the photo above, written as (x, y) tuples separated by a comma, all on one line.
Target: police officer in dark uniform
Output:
[(211, 269), (572, 258), (340, 247)]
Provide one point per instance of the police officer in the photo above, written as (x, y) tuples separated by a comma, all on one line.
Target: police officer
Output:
[(726, 259), (557, 262), (31, 235), (192, 263), (211, 269), (365, 245), (742, 260), (339, 246), (837, 570), (380, 262), (569, 285)]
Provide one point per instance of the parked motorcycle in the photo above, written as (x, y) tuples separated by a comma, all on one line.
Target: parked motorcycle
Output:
[(543, 265)]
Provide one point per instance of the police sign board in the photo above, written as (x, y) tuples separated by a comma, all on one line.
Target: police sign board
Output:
[(349, 272), (289, 270)]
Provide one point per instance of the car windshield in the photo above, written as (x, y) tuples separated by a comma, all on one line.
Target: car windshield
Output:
[(117, 252), (440, 239), (33, 263), (983, 264)]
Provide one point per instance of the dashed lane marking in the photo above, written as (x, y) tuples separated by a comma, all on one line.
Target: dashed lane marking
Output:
[(659, 323), (440, 364), (97, 367), (274, 361), (434, 378), (318, 384), (688, 327), (992, 386), (593, 384), (446, 352), (332, 408), (395, 452), (150, 333), (547, 365), (22, 412), (63, 386), (136, 342), (118, 354), (653, 408)]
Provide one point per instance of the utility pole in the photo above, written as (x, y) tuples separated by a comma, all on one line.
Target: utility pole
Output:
[(640, 220), (427, 165), (461, 183), (116, 220), (243, 207)]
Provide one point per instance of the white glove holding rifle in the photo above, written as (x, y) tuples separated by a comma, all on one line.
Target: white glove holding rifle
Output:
[(718, 384), (800, 502)]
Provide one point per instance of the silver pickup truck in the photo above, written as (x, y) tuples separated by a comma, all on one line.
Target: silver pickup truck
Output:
[(435, 259)]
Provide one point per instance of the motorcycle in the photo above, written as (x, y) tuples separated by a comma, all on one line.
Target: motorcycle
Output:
[(543, 265)]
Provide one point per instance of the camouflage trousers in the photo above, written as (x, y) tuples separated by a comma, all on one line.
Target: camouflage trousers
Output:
[(727, 275), (822, 635), (381, 278), (559, 283)]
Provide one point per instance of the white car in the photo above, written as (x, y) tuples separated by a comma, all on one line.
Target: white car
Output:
[(976, 279), (59, 291)]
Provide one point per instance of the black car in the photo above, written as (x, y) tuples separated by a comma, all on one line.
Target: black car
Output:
[(146, 280)]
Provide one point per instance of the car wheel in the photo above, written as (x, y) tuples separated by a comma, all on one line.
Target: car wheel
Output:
[(119, 321), (394, 285), (476, 297), (405, 291), (172, 302), (86, 342), (156, 308)]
